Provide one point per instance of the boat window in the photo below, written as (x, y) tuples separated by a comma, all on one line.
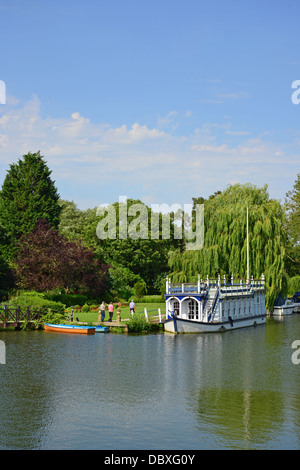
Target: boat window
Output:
[(193, 310), (176, 307)]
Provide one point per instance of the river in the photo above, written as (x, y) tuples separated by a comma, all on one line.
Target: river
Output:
[(233, 390)]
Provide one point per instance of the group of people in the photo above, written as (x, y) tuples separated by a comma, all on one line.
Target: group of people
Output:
[(111, 310)]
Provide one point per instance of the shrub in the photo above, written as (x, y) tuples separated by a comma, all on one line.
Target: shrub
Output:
[(152, 299), (85, 308), (140, 289), (138, 324), (67, 299), (36, 301), (53, 317)]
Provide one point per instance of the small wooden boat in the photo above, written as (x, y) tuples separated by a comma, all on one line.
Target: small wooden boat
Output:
[(101, 329), (79, 329)]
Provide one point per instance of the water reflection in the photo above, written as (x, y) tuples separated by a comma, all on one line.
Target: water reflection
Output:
[(249, 399), (240, 418), (233, 390)]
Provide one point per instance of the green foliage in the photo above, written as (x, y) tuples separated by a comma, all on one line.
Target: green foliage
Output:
[(123, 281), (138, 324), (85, 308), (292, 226), (293, 285), (53, 317), (150, 299), (68, 300), (27, 194), (140, 289), (225, 241), (36, 301), (141, 258)]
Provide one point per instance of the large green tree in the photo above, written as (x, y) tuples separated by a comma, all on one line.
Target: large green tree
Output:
[(225, 240), (133, 258), (292, 207), (28, 193)]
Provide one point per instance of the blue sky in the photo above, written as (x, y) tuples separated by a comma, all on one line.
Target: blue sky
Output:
[(162, 101)]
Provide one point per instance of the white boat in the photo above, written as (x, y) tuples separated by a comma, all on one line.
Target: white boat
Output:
[(213, 306), (287, 308)]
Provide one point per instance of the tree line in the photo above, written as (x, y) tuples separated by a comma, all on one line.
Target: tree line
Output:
[(48, 243)]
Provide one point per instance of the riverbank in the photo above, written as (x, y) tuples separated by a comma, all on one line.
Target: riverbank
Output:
[(145, 320), (151, 308)]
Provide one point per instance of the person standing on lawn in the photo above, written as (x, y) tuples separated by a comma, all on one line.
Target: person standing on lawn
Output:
[(132, 307), (102, 310), (110, 311)]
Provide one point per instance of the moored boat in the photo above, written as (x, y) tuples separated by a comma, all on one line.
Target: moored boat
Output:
[(101, 329), (61, 328), (286, 308), (213, 306)]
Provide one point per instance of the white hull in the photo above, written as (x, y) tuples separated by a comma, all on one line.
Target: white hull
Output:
[(179, 325), (286, 309)]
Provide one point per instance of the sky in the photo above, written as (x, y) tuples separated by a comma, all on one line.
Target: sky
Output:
[(160, 100)]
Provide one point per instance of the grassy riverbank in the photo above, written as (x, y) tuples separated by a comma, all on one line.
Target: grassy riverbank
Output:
[(92, 315)]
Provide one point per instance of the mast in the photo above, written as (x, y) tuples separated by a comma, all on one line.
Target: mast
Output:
[(248, 278)]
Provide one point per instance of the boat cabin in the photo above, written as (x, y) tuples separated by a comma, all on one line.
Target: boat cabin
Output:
[(214, 300)]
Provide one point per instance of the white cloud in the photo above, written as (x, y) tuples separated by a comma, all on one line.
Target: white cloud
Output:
[(161, 165), (166, 121)]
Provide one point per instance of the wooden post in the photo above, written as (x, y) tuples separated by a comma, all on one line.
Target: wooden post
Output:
[(18, 310), (146, 314), (159, 314), (118, 316), (5, 315)]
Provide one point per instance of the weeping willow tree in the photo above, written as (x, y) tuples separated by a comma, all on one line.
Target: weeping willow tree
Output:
[(225, 240)]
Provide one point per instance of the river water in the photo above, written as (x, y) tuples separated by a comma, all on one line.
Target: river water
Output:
[(233, 390)]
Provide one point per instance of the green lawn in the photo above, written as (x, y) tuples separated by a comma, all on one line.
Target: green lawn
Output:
[(92, 316)]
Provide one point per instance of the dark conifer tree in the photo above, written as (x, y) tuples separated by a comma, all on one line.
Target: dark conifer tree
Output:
[(28, 194)]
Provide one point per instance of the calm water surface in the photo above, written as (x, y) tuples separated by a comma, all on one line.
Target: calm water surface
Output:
[(236, 390)]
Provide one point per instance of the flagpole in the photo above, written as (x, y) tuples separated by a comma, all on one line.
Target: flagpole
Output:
[(248, 278)]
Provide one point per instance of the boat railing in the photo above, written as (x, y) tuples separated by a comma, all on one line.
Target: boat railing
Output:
[(185, 288), (201, 287)]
